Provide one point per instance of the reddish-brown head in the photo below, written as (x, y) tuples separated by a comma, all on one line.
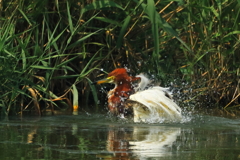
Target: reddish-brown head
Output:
[(121, 92), (119, 74)]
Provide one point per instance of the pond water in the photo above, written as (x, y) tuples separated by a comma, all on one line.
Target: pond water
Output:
[(97, 136)]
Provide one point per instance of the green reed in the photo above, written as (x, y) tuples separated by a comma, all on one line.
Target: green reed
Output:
[(50, 52)]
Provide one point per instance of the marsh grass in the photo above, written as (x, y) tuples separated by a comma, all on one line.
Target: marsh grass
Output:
[(50, 52)]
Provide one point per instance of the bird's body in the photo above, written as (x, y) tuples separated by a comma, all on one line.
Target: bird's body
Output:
[(123, 89), (148, 105)]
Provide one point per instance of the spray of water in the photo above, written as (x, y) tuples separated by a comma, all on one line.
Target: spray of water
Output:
[(179, 97)]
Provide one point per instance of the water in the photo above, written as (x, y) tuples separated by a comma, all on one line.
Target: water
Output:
[(97, 136)]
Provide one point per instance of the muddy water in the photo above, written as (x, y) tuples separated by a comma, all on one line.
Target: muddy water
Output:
[(97, 136)]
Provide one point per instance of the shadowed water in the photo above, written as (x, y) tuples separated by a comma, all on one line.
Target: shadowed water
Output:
[(97, 136)]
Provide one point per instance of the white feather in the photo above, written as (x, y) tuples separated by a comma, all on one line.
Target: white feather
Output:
[(154, 104), (143, 83)]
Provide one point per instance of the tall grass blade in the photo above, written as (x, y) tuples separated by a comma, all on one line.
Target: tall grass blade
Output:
[(42, 67), (110, 21), (99, 5), (75, 98), (94, 91), (84, 72), (69, 18), (83, 38), (155, 19), (123, 31), (25, 16)]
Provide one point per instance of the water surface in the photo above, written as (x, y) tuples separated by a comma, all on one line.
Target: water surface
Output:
[(97, 136)]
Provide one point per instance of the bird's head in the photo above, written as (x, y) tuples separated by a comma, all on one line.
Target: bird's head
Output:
[(116, 76)]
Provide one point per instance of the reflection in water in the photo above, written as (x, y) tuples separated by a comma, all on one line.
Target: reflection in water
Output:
[(96, 136), (154, 141), (117, 142), (31, 135), (141, 142)]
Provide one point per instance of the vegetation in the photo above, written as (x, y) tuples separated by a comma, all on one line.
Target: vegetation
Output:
[(51, 51)]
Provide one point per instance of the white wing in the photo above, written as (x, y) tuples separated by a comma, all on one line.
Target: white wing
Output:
[(155, 105), (143, 83)]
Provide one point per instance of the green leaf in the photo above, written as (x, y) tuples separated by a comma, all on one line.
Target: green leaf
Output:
[(75, 96), (82, 39), (94, 91), (99, 5), (215, 12), (25, 16), (158, 21), (42, 67), (155, 20), (66, 76), (67, 61), (69, 18), (123, 31), (231, 33), (107, 20)]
